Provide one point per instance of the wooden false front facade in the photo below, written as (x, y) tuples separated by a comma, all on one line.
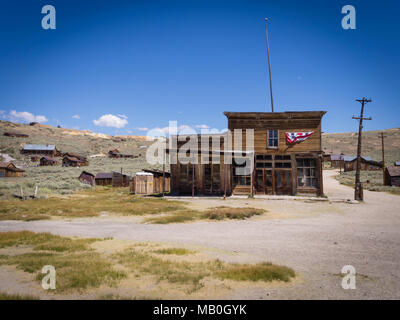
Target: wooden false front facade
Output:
[(275, 166)]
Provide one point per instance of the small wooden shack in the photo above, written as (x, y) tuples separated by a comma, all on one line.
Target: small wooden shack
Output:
[(350, 163), (74, 160), (392, 176), (119, 180), (48, 161), (116, 154), (8, 169), (16, 135), (87, 177), (42, 149), (103, 179), (143, 183), (158, 177)]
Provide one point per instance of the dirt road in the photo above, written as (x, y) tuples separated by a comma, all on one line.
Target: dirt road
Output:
[(315, 239)]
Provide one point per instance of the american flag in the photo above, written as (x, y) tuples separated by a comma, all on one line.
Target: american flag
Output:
[(293, 137)]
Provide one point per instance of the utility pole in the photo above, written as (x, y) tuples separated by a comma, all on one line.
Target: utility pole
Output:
[(269, 67), (383, 157), (358, 190)]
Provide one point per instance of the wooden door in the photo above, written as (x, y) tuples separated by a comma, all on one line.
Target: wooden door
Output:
[(283, 182), (263, 181)]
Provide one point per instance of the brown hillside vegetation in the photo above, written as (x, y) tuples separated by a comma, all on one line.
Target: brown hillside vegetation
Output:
[(371, 144)]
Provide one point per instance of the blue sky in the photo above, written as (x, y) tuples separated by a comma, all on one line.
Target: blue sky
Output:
[(148, 62)]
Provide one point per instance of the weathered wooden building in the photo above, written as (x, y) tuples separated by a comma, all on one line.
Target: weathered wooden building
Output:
[(115, 179), (8, 169), (350, 163), (103, 179), (74, 160), (119, 179), (150, 182), (42, 149), (48, 161), (87, 177), (392, 176), (16, 135), (286, 158), (116, 154)]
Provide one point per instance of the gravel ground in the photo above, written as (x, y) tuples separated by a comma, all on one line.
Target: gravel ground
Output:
[(315, 239)]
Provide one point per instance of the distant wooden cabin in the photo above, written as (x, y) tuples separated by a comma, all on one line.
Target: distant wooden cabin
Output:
[(116, 154), (367, 164), (8, 169), (87, 177), (16, 135), (119, 180), (392, 176), (103, 179), (115, 179), (74, 160), (42, 149), (279, 164), (48, 161), (337, 161)]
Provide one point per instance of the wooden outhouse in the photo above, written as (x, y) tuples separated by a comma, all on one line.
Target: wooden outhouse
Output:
[(158, 178), (119, 180), (144, 183), (283, 157)]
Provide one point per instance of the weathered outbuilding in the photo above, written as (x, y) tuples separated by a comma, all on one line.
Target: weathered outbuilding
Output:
[(119, 180), (74, 160), (9, 169), (16, 135), (87, 177), (143, 183), (350, 163), (103, 179), (392, 176), (158, 178), (48, 161)]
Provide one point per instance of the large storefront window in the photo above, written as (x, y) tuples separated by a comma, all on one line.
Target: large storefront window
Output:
[(241, 172), (306, 173)]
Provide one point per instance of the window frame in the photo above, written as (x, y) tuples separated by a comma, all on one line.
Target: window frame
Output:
[(269, 138), (312, 165)]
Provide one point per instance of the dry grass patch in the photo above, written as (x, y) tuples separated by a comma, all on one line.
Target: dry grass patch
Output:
[(87, 203), (192, 274), (176, 251), (6, 296), (259, 272), (221, 213), (77, 265)]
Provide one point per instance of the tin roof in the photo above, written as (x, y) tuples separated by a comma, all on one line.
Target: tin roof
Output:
[(397, 163), (104, 175), (48, 147), (352, 158)]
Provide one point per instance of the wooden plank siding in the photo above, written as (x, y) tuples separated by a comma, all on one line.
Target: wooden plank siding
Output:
[(281, 171)]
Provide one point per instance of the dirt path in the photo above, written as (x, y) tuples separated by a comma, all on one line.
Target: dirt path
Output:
[(315, 239)]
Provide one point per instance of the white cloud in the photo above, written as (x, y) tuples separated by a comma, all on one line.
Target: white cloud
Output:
[(122, 116), (76, 116), (110, 120), (26, 117), (142, 129), (202, 126)]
